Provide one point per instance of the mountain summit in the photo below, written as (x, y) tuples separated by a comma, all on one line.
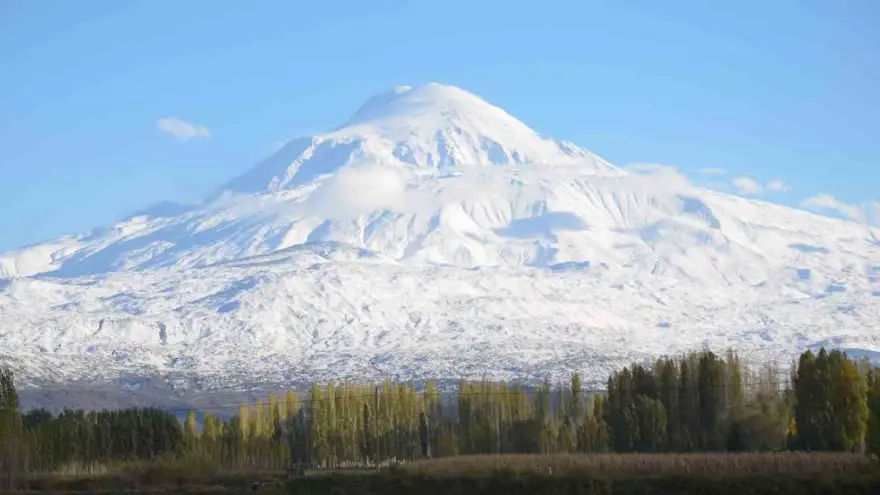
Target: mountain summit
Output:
[(432, 103), (430, 126)]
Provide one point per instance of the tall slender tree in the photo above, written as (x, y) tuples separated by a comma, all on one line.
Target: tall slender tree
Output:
[(848, 403), (10, 429), (710, 389), (872, 436)]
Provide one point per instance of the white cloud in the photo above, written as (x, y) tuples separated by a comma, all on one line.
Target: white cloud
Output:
[(822, 200), (713, 171), (661, 183), (651, 168), (669, 173), (747, 186), (777, 186), (359, 190), (182, 130), (868, 213)]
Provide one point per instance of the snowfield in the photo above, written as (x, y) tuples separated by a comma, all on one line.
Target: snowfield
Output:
[(435, 236)]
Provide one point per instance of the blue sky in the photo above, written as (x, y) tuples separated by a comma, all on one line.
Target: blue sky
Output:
[(783, 90)]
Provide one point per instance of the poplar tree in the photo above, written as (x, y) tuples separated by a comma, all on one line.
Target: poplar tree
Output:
[(872, 436), (668, 395), (620, 412), (577, 401), (831, 407), (848, 403), (688, 408), (651, 424), (189, 430), (711, 400), (807, 397), (596, 429), (424, 436), (10, 428)]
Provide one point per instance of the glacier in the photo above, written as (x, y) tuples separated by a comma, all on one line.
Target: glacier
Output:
[(433, 235)]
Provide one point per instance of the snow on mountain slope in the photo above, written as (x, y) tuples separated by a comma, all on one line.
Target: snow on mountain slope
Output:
[(435, 235)]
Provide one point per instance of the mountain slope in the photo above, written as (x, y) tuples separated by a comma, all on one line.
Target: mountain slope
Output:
[(430, 235)]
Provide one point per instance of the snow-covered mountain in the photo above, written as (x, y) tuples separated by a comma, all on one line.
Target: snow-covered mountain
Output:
[(433, 127), (434, 235)]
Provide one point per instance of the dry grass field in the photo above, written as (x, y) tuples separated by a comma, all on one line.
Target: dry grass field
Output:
[(587, 474), (721, 464)]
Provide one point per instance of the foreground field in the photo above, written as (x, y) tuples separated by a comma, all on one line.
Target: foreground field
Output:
[(718, 474), (721, 464)]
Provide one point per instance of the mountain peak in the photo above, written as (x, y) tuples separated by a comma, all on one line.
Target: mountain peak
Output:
[(432, 99), (430, 126)]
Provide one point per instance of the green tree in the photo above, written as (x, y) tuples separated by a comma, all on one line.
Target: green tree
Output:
[(651, 425), (190, 432), (10, 428), (620, 412), (760, 425), (543, 418), (734, 393), (807, 398), (831, 407), (424, 436), (668, 396), (577, 401), (688, 413), (595, 432), (710, 389), (848, 403), (872, 437)]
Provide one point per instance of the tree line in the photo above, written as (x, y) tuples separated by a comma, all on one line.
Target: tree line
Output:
[(697, 402)]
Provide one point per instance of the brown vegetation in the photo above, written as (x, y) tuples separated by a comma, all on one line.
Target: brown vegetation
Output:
[(784, 472), (726, 464)]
